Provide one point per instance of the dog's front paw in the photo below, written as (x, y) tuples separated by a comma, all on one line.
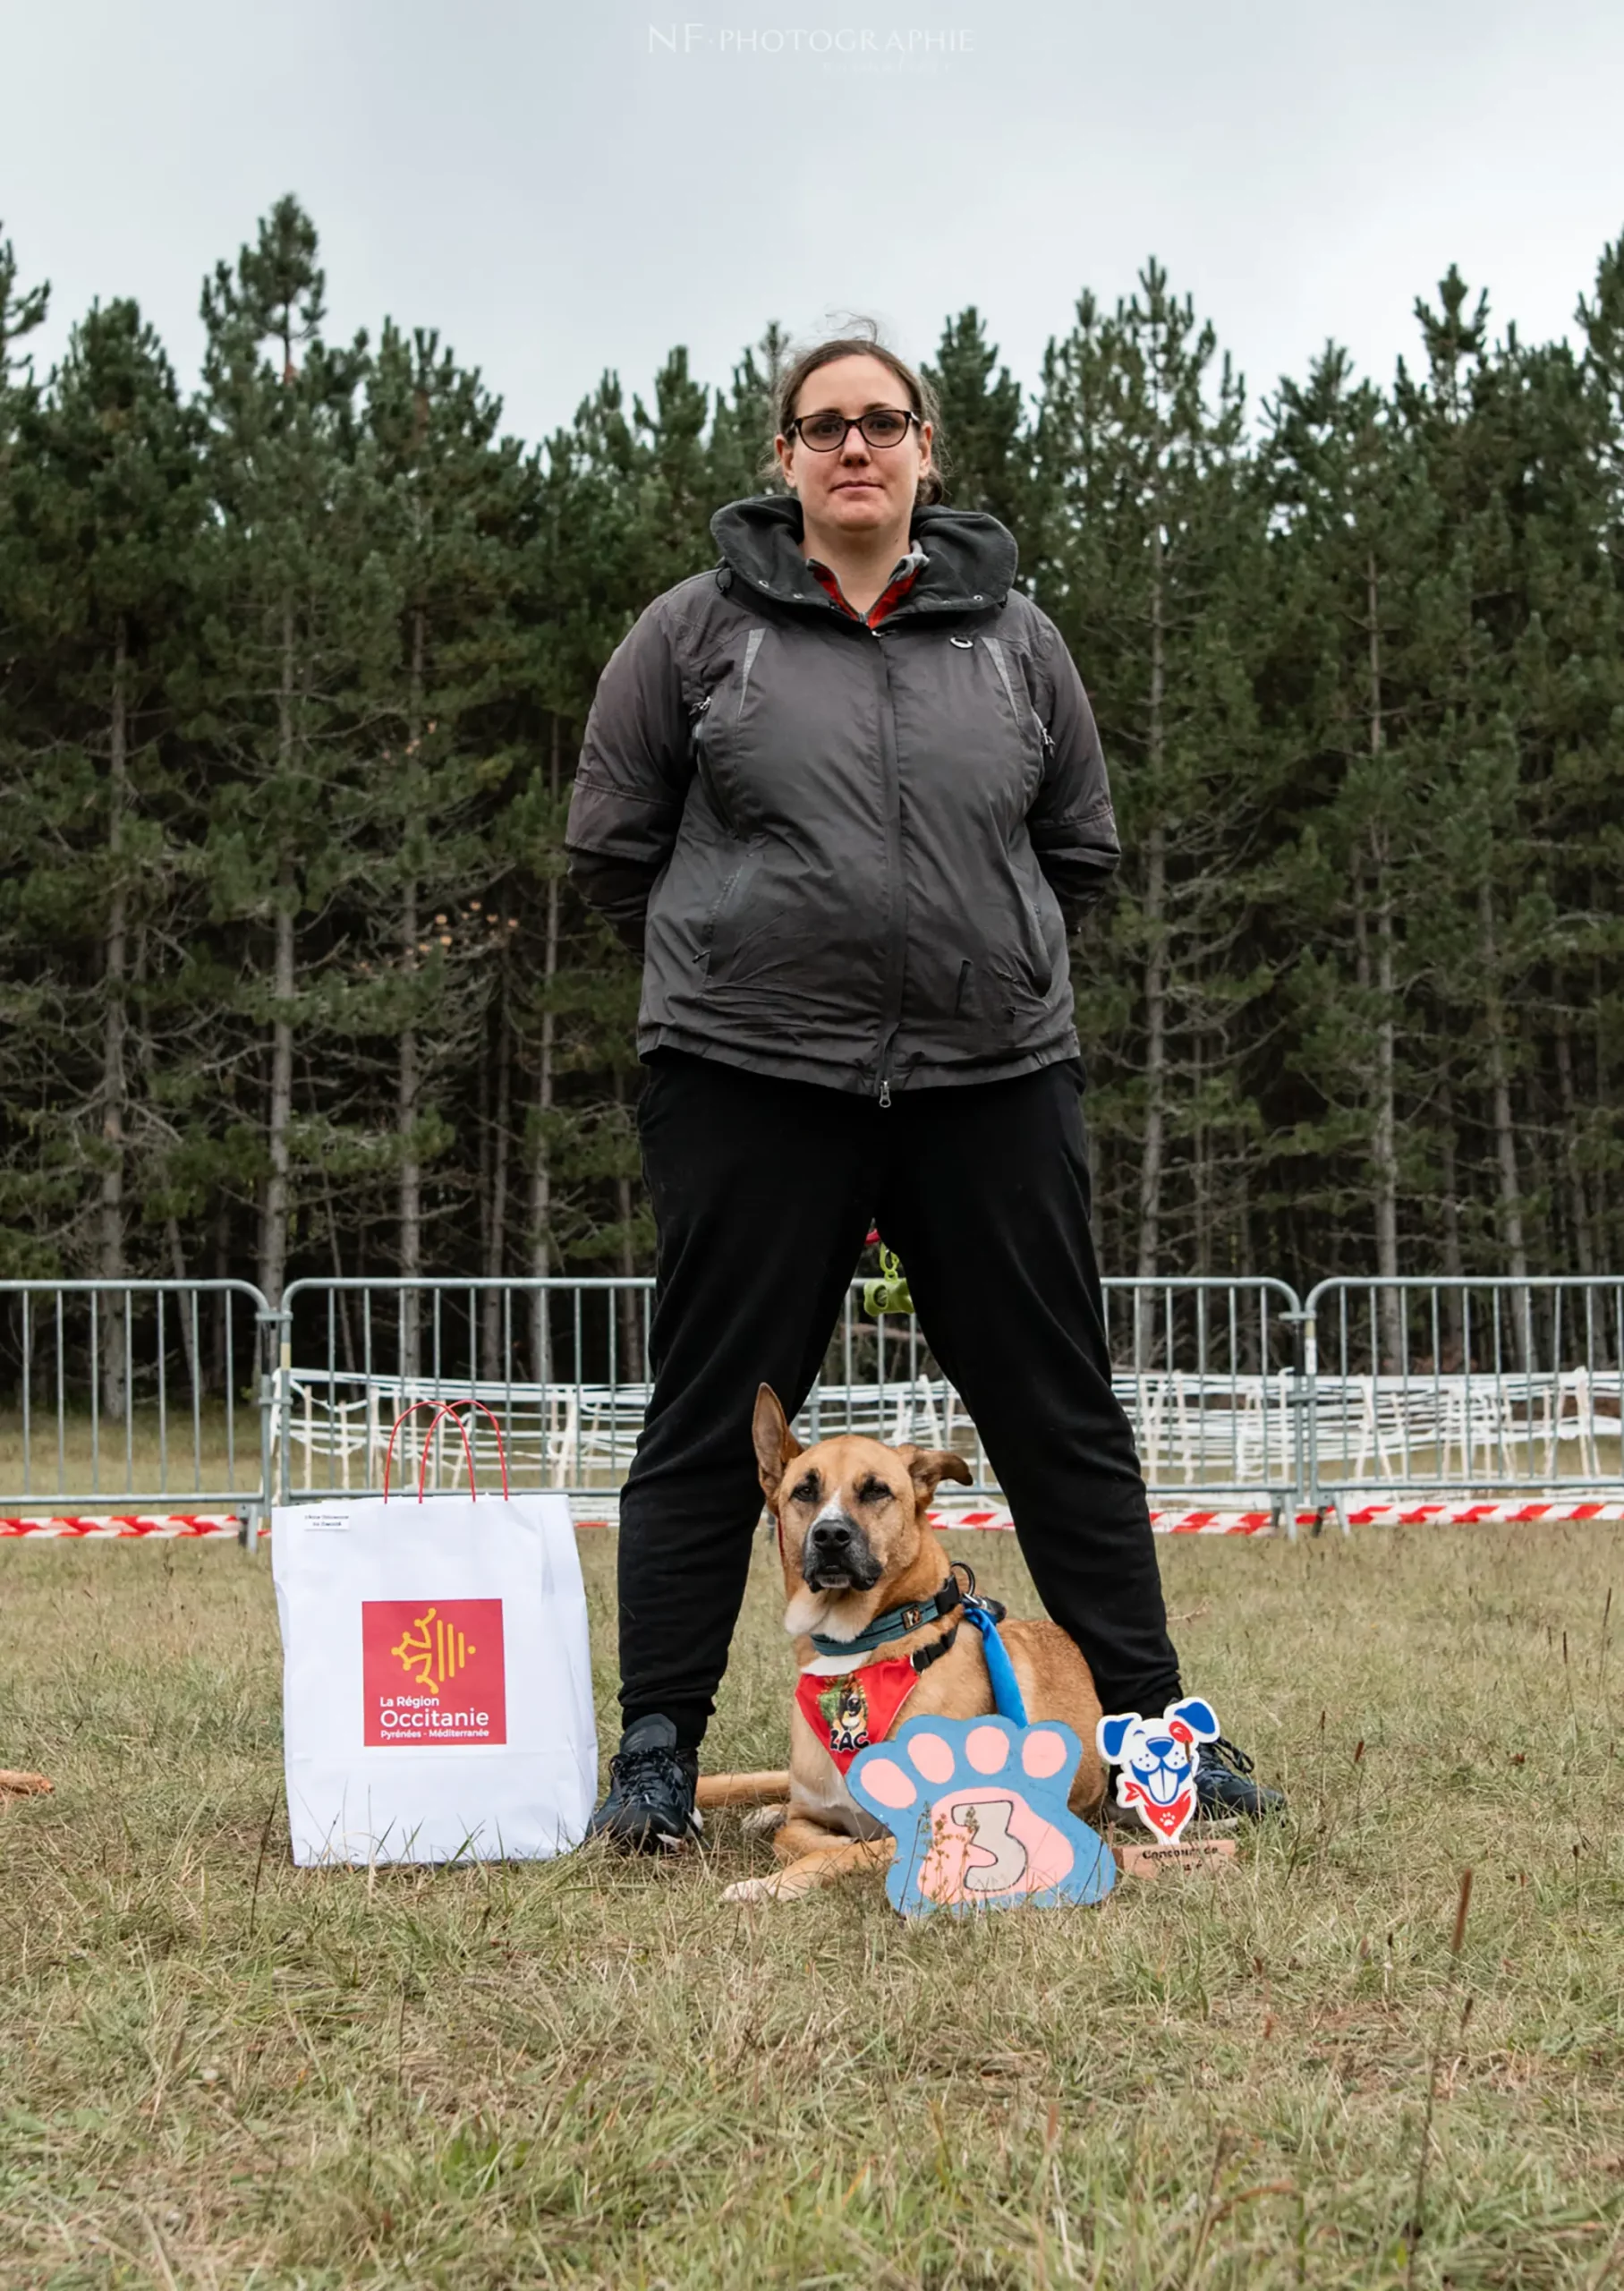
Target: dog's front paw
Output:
[(762, 1821), (979, 1811), (753, 1889)]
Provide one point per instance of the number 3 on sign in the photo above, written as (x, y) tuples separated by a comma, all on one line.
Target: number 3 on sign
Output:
[(978, 1808)]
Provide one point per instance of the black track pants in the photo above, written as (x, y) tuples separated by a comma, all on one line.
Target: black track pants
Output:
[(763, 1192)]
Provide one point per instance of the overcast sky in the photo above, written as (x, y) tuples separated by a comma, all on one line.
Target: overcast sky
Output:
[(562, 189)]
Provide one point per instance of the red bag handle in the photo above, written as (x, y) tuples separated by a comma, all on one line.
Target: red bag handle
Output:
[(449, 1407), (446, 1407), (394, 1430), (440, 1410)]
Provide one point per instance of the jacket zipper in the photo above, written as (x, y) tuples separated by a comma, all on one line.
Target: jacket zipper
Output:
[(896, 938), (696, 731)]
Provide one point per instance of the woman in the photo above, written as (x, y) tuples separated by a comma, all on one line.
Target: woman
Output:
[(846, 795)]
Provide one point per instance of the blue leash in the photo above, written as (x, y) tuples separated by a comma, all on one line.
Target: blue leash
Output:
[(1000, 1671)]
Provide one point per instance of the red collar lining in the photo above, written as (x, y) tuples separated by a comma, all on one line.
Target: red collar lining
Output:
[(900, 583)]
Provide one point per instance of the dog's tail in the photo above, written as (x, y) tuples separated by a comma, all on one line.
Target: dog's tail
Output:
[(742, 1789)]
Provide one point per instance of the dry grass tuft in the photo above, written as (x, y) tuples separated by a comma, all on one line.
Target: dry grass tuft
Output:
[(217, 2071)]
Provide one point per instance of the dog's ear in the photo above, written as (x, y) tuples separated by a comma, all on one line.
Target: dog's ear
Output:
[(1110, 1733), (926, 1466), (1198, 1717), (776, 1445)]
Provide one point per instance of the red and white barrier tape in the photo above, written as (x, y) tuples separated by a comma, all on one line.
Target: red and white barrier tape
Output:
[(1165, 1523), (1213, 1523), (1364, 1515), (1465, 1515), (102, 1526), (98, 1527)]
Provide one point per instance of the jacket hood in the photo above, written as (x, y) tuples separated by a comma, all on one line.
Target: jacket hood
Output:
[(970, 558)]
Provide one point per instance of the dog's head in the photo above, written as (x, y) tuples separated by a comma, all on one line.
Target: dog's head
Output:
[(851, 1516), (1161, 1754)]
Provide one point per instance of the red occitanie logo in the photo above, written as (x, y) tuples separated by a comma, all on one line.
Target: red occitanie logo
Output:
[(433, 1671)]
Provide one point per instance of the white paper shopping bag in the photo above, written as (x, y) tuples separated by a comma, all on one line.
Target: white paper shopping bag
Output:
[(437, 1678)]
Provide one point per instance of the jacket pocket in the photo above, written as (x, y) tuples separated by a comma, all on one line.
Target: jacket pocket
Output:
[(720, 935), (716, 727), (1026, 974), (1024, 958), (1028, 722), (1041, 960), (1037, 745)]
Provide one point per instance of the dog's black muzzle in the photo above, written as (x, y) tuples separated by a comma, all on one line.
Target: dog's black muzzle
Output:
[(836, 1557)]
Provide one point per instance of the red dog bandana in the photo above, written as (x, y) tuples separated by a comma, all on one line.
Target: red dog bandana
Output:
[(1169, 1819), (847, 1714)]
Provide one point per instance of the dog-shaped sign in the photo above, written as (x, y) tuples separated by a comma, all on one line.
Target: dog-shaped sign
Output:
[(1157, 1760)]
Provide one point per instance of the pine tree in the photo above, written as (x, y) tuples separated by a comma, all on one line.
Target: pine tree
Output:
[(1354, 518), (580, 574), (295, 608), (1149, 545), (106, 499), (983, 422), (742, 425), (29, 1192), (1593, 783), (21, 313), (450, 508)]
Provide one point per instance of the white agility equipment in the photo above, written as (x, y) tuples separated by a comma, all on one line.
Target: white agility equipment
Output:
[(1186, 1428)]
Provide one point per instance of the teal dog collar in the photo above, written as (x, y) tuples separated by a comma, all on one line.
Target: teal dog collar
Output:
[(896, 1622)]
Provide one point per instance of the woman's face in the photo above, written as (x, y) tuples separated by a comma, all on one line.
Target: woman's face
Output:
[(858, 488)]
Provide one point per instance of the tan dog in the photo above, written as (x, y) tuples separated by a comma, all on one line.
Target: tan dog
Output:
[(856, 1547)]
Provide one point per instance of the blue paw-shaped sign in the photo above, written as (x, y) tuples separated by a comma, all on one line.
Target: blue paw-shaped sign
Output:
[(978, 1808)]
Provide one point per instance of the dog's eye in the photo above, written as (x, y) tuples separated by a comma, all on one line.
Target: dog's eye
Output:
[(807, 1491), (874, 1491)]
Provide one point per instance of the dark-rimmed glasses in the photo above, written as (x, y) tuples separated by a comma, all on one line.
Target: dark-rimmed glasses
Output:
[(881, 425)]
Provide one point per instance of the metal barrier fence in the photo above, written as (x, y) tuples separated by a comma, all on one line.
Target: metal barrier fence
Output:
[(1494, 1386), (1212, 1408), (135, 1393), (558, 1363)]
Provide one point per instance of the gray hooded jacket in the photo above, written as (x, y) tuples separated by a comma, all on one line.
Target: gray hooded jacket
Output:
[(850, 855)]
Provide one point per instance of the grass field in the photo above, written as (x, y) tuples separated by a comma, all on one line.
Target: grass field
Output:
[(217, 2071), (67, 1462)]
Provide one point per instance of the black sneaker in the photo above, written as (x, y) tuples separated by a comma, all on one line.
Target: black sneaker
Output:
[(651, 1783), (1224, 1786)]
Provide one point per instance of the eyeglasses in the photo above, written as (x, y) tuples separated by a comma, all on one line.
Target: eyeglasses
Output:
[(883, 425)]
